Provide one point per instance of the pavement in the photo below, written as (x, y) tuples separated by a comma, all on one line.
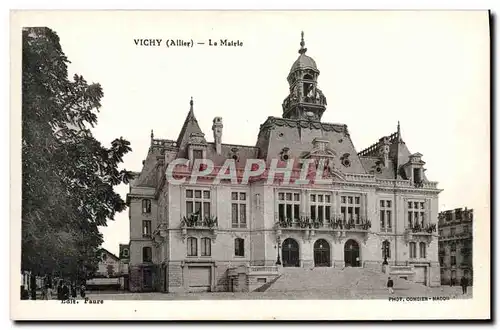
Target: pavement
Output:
[(317, 283)]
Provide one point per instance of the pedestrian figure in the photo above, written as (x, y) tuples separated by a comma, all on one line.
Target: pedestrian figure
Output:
[(60, 291), (73, 291), (65, 292), (82, 291), (24, 293), (49, 291), (45, 293), (390, 285), (463, 283)]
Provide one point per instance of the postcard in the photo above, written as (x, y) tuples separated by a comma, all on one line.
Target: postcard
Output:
[(291, 165)]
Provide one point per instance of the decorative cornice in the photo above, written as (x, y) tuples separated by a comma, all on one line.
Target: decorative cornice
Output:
[(272, 122)]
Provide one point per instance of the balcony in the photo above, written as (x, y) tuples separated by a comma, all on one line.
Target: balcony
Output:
[(194, 222), (417, 231), (337, 227), (457, 236)]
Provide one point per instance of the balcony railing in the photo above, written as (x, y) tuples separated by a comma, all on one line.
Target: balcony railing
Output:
[(335, 224), (196, 222), (309, 226)]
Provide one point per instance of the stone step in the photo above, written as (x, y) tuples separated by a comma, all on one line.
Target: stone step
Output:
[(342, 280)]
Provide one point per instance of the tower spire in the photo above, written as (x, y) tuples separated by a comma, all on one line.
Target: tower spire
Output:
[(302, 50)]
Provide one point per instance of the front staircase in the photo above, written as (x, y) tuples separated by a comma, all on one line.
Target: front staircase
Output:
[(349, 282)]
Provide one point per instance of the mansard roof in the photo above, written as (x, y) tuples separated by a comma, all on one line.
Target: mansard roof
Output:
[(298, 136)]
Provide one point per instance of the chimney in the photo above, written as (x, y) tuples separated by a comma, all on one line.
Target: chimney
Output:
[(217, 129)]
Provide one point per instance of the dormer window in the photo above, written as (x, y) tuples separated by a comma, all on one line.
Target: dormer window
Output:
[(417, 177), (197, 154)]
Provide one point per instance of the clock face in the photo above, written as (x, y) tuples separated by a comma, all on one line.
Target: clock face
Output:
[(309, 114)]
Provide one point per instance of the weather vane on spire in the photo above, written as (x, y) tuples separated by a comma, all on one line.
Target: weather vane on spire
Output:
[(302, 50)]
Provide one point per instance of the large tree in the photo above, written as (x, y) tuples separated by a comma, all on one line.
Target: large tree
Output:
[(68, 177)]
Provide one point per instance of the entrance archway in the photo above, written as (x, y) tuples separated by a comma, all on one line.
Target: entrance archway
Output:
[(290, 253), (321, 253), (351, 254)]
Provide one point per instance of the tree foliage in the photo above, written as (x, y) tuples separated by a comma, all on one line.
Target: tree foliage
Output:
[(68, 177)]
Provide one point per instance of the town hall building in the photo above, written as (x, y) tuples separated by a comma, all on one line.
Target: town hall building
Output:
[(380, 211)]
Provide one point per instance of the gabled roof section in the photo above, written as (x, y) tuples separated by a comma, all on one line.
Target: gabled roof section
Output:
[(190, 126), (112, 255)]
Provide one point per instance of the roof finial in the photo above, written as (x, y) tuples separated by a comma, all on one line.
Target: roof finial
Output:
[(302, 50), (191, 103), (152, 135), (399, 132)]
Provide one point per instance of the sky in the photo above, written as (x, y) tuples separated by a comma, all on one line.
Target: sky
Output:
[(428, 70)]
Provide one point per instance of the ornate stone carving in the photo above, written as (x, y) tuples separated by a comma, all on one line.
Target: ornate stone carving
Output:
[(197, 138)]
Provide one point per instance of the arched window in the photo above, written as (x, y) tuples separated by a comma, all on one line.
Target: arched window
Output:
[(147, 254), (413, 250), (386, 250), (239, 247), (422, 250), (206, 247), (192, 248), (125, 253), (146, 206), (308, 76)]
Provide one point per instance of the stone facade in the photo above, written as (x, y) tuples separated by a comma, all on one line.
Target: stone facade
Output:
[(379, 203), (455, 245)]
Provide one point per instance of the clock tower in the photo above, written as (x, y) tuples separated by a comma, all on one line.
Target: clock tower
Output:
[(306, 100)]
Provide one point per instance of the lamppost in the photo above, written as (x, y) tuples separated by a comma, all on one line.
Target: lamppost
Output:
[(278, 241), (386, 252)]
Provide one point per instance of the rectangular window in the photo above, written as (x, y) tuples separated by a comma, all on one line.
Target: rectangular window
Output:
[(146, 228), (198, 203), (423, 254), (192, 247), (453, 231), (147, 254), (320, 206), (453, 247), (239, 210), (453, 260), (351, 204), (386, 215), (413, 250), (206, 247), (146, 206), (289, 208), (239, 247), (466, 229), (416, 214)]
